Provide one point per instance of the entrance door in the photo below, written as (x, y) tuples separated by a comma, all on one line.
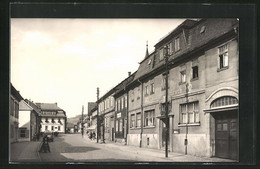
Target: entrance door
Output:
[(226, 130), (164, 129)]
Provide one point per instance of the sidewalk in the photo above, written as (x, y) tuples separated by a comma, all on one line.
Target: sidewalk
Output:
[(157, 154), (24, 152)]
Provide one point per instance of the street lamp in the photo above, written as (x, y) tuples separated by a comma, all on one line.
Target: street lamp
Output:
[(166, 57)]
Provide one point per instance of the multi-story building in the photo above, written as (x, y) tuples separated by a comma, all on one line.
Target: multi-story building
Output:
[(202, 91), (29, 124), (121, 110), (15, 98), (52, 117), (105, 111)]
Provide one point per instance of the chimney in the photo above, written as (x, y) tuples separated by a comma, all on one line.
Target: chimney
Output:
[(56, 104), (129, 73)]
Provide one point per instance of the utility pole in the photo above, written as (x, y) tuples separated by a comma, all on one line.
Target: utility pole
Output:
[(166, 48), (97, 113), (82, 132), (186, 133)]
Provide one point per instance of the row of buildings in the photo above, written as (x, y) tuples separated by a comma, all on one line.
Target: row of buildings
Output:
[(202, 80), (27, 119)]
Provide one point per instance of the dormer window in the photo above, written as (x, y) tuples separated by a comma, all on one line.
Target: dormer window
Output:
[(161, 54), (177, 44)]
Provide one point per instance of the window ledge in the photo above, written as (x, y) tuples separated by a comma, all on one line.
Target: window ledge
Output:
[(191, 124), (147, 127), (224, 68), (194, 79), (135, 128)]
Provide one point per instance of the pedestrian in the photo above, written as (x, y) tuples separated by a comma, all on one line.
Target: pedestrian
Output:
[(38, 136), (45, 145), (94, 135)]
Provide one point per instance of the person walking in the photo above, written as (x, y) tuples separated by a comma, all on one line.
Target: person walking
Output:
[(45, 145)]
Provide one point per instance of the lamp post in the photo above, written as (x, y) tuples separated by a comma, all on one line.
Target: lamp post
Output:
[(82, 132), (166, 57)]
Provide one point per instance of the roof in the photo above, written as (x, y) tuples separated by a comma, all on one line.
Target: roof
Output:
[(122, 86), (151, 64), (48, 106), (91, 105), (15, 93), (35, 108)]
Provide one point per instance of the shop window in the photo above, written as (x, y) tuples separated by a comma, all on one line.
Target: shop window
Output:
[(138, 120), (149, 117), (189, 113), (132, 124), (223, 57), (195, 72)]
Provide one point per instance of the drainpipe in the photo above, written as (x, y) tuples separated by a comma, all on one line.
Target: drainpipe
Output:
[(141, 112)]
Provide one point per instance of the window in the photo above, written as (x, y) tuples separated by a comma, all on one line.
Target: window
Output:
[(16, 109), (138, 92), (122, 103), (183, 76), (52, 127), (171, 48), (120, 125), (146, 90), (138, 120), (52, 120), (133, 95), (125, 101), (132, 124), (46, 127), (116, 106), (224, 101), (177, 44), (223, 57), (149, 118), (189, 113), (22, 133), (164, 82), (152, 88), (163, 108), (12, 131), (116, 125), (195, 72), (59, 128), (12, 107), (161, 54), (46, 120)]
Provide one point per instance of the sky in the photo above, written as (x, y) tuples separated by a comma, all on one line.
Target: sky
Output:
[(63, 61)]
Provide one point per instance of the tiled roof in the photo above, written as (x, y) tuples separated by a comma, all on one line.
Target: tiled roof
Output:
[(214, 28), (15, 93), (35, 108), (48, 106), (124, 83)]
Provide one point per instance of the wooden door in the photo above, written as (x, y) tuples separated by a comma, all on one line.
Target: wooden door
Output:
[(226, 129)]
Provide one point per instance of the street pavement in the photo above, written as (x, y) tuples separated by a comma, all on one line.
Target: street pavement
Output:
[(24, 152), (72, 148)]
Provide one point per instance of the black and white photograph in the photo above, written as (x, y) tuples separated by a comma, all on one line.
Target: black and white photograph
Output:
[(134, 90)]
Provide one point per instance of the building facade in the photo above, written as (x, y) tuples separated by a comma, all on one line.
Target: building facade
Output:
[(202, 91), (52, 118), (15, 98)]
